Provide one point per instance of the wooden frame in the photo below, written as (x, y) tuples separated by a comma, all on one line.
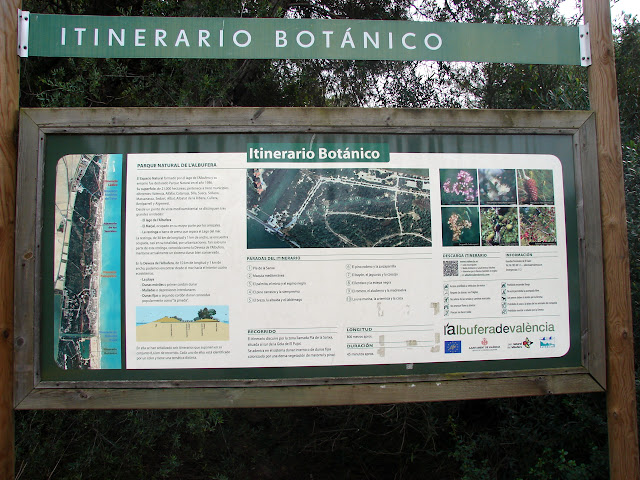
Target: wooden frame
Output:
[(36, 124), (622, 421), (9, 95)]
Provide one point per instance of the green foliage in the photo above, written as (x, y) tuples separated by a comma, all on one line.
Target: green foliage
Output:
[(492, 443), (499, 225), (538, 12), (552, 465), (627, 45), (206, 313), (508, 85), (631, 165), (114, 445), (54, 82), (546, 437)]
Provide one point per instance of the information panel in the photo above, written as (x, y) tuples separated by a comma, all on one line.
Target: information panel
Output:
[(229, 257), (294, 255)]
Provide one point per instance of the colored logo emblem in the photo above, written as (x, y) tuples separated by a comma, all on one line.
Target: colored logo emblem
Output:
[(485, 342), (547, 342), (527, 343), (453, 346)]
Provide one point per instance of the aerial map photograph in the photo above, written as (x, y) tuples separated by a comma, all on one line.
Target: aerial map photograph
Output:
[(86, 262), (338, 207)]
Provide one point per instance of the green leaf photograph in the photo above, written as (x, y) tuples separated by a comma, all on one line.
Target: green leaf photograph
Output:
[(499, 226)]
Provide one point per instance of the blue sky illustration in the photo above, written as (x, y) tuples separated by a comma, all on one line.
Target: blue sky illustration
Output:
[(145, 314)]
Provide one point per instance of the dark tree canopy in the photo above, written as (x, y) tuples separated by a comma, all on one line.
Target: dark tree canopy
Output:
[(206, 313), (196, 82)]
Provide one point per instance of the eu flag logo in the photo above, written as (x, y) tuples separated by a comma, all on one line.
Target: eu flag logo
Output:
[(453, 346)]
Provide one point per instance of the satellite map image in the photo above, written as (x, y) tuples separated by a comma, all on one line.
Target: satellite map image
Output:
[(87, 262), (346, 207)]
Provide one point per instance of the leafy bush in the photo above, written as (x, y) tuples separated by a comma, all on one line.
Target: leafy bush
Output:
[(561, 437)]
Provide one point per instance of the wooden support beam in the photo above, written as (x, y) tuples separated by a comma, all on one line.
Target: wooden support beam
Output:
[(9, 95), (621, 392)]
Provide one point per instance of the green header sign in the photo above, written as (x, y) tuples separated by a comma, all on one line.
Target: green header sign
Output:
[(276, 38), (328, 152)]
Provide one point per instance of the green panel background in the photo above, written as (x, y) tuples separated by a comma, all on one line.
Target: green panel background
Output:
[(59, 145), (478, 42)]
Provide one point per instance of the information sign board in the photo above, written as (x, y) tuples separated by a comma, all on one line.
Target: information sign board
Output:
[(408, 259), (280, 38), (290, 247)]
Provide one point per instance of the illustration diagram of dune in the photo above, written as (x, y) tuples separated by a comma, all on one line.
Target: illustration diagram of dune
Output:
[(169, 329)]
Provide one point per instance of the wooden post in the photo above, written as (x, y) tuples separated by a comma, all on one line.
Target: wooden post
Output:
[(9, 95), (621, 393)]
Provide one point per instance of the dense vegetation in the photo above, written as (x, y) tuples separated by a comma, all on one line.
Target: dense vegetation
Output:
[(538, 438)]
